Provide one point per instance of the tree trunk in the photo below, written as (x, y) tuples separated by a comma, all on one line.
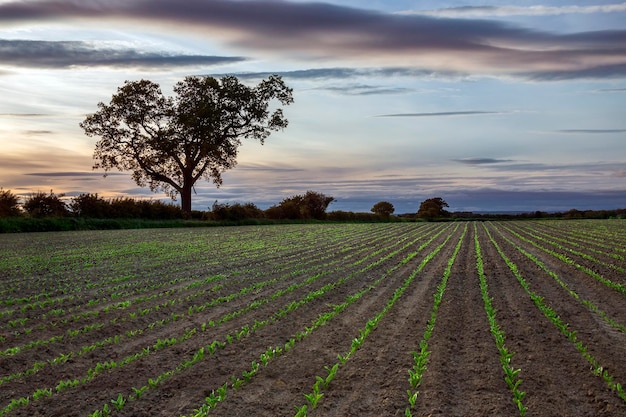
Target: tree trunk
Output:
[(185, 200)]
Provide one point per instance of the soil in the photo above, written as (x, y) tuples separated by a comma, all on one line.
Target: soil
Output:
[(165, 275)]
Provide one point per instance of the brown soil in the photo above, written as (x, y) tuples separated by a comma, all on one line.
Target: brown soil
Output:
[(168, 272)]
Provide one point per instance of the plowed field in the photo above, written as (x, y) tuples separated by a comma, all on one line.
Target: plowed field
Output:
[(422, 319)]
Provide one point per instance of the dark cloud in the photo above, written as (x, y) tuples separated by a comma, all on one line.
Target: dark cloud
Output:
[(481, 161), (441, 114), (365, 90), (319, 30), (24, 115), (590, 71), (38, 132), (48, 54), (340, 73), (71, 174), (502, 201), (487, 11), (314, 74), (268, 168)]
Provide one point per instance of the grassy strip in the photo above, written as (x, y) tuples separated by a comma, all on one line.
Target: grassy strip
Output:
[(510, 374), (597, 369)]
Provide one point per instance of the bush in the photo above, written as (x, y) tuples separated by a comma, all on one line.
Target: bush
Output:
[(383, 208), (311, 205), (45, 205), (90, 205), (235, 212), (9, 204)]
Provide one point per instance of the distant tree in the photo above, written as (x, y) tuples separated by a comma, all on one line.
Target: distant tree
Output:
[(170, 143), (46, 205), (311, 205), (235, 211), (383, 208), (9, 204), (314, 205), (90, 205), (432, 208)]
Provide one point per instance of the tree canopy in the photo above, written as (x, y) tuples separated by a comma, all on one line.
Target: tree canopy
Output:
[(9, 204), (432, 208), (311, 205), (383, 208), (169, 143)]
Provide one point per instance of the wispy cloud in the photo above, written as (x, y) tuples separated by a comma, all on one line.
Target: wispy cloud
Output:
[(589, 131), (481, 161), (71, 174), (505, 11), (320, 31), (442, 114), (340, 73), (38, 132), (66, 54), (365, 90), (612, 90), (25, 115)]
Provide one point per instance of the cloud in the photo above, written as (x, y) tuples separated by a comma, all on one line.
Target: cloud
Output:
[(441, 114), (505, 11), (585, 168), (71, 174), (499, 200), (590, 131), (365, 90), (320, 31), (481, 161), (38, 132), (611, 90), (339, 73), (26, 115), (260, 167), (66, 54)]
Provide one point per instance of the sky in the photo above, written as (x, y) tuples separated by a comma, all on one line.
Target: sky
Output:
[(490, 105)]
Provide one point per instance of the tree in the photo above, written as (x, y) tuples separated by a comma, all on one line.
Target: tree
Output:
[(311, 205), (169, 143), (46, 205), (235, 211), (432, 208), (90, 205), (383, 208), (9, 204)]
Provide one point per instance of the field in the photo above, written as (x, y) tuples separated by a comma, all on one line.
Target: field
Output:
[(421, 319)]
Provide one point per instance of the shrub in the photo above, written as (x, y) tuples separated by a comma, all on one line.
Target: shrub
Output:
[(383, 208), (45, 205), (235, 211), (9, 204)]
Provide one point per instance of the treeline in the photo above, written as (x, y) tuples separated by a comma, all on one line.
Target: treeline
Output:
[(570, 214), (41, 205), (41, 211), (309, 206)]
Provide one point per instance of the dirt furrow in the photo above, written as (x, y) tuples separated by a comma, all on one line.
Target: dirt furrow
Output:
[(463, 376)]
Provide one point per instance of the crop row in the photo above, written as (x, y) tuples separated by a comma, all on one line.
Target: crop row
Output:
[(168, 310)]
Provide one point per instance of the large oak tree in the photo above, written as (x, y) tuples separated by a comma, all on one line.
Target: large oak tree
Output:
[(169, 143)]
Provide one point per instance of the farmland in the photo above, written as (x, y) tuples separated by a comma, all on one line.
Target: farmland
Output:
[(423, 319)]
